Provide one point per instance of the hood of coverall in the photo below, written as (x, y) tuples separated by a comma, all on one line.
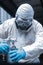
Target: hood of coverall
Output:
[(24, 16)]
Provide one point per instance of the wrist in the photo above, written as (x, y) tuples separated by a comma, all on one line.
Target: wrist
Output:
[(24, 53)]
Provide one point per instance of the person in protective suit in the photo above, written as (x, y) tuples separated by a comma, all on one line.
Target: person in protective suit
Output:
[(28, 33)]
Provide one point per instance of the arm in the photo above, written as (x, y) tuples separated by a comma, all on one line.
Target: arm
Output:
[(4, 28), (34, 50)]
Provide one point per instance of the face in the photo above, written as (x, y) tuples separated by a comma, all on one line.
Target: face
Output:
[(23, 24)]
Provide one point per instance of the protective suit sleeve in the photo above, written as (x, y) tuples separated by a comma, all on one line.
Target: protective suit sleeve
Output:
[(33, 51), (3, 30), (4, 27)]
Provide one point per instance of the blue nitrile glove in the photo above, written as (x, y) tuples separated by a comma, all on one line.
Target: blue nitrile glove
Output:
[(16, 55), (4, 48)]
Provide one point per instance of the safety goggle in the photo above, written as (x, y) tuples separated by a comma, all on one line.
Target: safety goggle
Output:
[(24, 20)]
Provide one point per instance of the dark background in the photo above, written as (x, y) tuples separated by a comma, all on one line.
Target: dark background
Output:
[(11, 6)]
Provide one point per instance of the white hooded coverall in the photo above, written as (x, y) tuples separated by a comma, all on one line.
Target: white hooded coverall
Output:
[(31, 42)]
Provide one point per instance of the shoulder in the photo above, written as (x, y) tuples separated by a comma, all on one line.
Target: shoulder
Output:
[(38, 26), (37, 23), (9, 21), (7, 24)]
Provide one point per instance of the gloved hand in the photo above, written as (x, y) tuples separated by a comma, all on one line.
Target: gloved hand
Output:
[(4, 48), (16, 55)]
